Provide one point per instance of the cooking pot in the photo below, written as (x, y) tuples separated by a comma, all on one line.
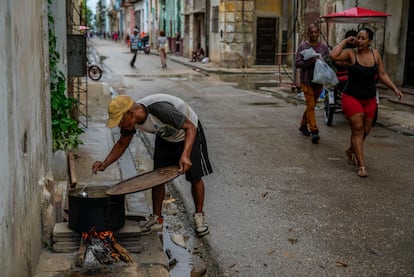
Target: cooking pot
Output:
[(98, 210)]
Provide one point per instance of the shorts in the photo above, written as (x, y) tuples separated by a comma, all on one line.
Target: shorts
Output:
[(351, 106), (169, 153)]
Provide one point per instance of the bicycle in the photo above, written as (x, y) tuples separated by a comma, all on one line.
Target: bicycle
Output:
[(94, 72)]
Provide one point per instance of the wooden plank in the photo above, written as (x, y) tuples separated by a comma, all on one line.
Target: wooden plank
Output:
[(72, 170), (80, 257)]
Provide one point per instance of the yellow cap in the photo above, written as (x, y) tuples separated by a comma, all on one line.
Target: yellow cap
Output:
[(116, 109)]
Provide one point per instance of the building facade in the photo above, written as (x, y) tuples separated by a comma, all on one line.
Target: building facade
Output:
[(241, 34)]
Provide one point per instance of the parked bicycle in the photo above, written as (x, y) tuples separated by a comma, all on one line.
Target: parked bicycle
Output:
[(94, 72)]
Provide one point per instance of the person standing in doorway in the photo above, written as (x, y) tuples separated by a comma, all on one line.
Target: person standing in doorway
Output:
[(134, 40), (177, 42), (161, 45), (359, 101), (311, 90)]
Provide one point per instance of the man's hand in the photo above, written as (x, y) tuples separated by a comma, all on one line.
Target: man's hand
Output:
[(185, 164), (98, 166)]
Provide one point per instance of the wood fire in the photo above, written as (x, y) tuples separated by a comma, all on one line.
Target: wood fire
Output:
[(103, 246)]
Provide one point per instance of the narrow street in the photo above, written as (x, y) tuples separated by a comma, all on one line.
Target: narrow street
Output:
[(276, 204)]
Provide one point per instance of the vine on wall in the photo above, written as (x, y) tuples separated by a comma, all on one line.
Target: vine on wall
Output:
[(65, 129)]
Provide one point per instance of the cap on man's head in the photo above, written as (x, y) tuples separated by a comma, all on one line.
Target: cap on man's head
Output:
[(116, 109)]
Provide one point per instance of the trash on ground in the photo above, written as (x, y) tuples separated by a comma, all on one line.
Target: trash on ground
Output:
[(178, 239), (341, 264)]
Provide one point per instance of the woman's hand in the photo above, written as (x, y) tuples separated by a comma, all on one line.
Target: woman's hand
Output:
[(350, 40), (398, 93)]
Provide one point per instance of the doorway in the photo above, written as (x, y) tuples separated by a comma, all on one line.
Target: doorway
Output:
[(266, 40), (409, 55)]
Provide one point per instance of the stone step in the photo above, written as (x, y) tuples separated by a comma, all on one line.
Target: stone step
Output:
[(66, 240)]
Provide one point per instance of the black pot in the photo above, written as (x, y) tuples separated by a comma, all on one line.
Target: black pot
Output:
[(97, 210)]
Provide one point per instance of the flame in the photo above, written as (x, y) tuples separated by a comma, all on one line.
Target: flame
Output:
[(107, 240), (107, 236)]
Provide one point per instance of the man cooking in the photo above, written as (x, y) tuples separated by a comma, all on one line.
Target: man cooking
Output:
[(179, 141)]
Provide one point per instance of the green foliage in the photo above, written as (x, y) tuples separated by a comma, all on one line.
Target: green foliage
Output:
[(65, 129)]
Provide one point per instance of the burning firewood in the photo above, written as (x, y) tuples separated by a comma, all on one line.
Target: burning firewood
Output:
[(103, 246), (122, 252), (80, 257)]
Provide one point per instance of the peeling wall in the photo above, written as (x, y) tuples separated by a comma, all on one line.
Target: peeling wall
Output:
[(25, 141)]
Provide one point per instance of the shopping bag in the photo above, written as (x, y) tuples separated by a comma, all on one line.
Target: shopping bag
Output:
[(167, 48), (309, 53), (323, 74)]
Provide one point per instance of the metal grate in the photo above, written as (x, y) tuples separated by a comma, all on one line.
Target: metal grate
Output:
[(77, 58)]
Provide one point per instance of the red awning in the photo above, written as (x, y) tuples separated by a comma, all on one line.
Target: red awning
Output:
[(356, 15)]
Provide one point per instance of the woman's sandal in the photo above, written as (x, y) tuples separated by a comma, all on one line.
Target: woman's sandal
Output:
[(362, 172), (351, 157)]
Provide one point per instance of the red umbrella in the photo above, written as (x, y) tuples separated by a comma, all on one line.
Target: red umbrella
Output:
[(356, 15)]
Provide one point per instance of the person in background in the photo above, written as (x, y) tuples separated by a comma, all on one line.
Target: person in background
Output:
[(339, 66), (179, 141), (128, 42), (198, 54), (161, 45), (359, 101), (311, 90), (134, 46), (177, 42)]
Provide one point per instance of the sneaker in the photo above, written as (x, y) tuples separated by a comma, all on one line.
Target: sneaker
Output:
[(153, 224), (304, 130), (201, 227), (315, 137)]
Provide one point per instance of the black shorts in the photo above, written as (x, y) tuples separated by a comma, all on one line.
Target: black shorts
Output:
[(169, 153)]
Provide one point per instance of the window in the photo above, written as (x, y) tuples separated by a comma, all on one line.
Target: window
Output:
[(215, 19)]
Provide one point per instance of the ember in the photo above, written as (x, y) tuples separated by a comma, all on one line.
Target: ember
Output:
[(103, 246)]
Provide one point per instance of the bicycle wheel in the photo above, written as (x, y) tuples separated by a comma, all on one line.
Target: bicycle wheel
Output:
[(94, 72), (328, 111)]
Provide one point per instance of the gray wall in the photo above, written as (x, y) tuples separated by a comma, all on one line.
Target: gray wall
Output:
[(25, 140)]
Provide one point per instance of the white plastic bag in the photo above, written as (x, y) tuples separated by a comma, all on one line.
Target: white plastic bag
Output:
[(323, 74), (309, 53)]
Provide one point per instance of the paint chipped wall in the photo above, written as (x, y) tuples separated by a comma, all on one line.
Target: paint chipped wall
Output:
[(25, 132)]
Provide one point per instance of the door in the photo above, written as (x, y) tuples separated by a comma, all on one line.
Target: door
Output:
[(266, 41), (409, 55)]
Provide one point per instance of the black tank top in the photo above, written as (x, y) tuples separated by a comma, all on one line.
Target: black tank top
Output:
[(362, 80)]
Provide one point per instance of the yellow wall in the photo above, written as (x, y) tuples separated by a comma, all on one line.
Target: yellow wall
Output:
[(274, 6)]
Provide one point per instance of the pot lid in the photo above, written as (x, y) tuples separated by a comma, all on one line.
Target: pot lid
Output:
[(144, 181)]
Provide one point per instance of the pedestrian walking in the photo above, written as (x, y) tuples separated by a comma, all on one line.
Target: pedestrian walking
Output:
[(162, 44), (311, 90), (179, 141), (359, 101), (134, 41)]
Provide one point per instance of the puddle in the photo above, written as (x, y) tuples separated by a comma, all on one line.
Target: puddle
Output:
[(183, 257), (172, 77), (251, 81)]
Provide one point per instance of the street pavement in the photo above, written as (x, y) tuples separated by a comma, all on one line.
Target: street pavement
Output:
[(98, 140)]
